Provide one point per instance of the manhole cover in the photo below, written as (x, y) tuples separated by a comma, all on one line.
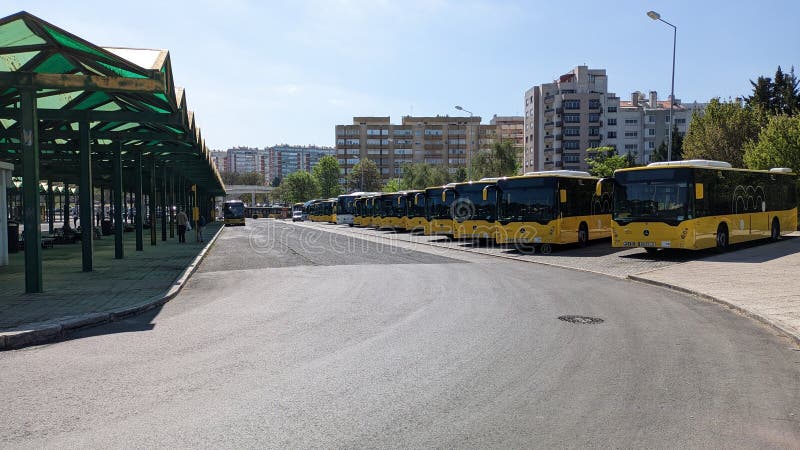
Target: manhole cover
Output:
[(581, 319)]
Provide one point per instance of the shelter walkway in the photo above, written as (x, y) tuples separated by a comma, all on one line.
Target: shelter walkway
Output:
[(114, 283)]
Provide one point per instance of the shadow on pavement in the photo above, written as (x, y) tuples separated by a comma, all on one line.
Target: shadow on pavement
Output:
[(746, 252), (130, 324)]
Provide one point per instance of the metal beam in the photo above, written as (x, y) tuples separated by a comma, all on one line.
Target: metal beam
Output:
[(30, 192), (99, 116), (112, 135), (33, 80), (86, 191)]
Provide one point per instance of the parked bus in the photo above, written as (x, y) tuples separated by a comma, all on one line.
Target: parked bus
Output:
[(323, 211), (345, 209), (553, 207), (414, 219), (370, 218), (233, 212), (699, 204), (474, 209), (390, 210), (437, 210), (271, 212)]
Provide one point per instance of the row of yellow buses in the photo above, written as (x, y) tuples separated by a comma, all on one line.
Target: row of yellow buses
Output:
[(693, 204)]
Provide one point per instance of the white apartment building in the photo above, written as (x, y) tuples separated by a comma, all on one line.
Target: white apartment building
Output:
[(576, 112)]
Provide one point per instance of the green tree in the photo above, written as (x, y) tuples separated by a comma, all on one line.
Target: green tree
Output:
[(369, 181), (460, 175), (251, 179), (500, 160), (327, 174), (777, 95), (392, 185), (275, 182), (721, 132), (778, 145), (603, 161), (299, 187), (677, 148)]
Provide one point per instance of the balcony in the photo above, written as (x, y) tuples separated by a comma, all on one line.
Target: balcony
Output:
[(549, 98), (549, 124), (549, 110), (549, 137)]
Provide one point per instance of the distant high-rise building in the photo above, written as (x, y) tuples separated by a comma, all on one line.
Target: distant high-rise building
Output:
[(286, 159), (511, 128), (442, 140), (245, 160), (220, 159)]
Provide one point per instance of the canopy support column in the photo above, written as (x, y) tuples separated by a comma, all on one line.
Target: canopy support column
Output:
[(119, 226), (51, 207), (30, 191), (138, 201), (163, 198), (65, 213), (152, 200), (86, 197)]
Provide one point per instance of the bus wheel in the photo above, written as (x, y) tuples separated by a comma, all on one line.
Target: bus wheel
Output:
[(546, 249), (583, 235), (525, 249), (722, 237), (776, 229)]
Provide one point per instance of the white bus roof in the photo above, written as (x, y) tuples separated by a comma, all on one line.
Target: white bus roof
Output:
[(692, 162), (559, 173)]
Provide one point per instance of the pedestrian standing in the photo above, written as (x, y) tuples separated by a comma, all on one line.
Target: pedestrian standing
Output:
[(182, 220), (201, 223)]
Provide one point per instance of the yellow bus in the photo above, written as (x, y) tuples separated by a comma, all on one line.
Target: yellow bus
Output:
[(369, 219), (699, 204), (358, 211), (414, 218), (232, 212), (474, 210), (390, 209), (437, 211), (553, 207)]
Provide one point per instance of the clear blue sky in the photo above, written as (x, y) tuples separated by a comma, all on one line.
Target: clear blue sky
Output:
[(259, 73)]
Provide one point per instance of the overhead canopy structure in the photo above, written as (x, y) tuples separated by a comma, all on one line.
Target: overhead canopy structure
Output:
[(77, 113)]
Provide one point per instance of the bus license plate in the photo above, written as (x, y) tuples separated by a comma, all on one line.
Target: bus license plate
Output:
[(638, 244)]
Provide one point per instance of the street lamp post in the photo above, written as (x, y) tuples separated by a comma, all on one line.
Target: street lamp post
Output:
[(469, 148), (656, 16)]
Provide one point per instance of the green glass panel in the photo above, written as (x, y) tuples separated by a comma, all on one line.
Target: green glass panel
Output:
[(94, 100), (8, 91), (161, 96), (121, 72), (17, 33), (70, 42), (110, 106), (7, 123), (124, 126), (156, 108), (55, 64), (176, 130), (13, 61), (57, 101)]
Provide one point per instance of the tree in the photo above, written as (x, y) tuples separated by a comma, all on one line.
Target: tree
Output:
[(603, 161), (327, 174), (778, 145), (677, 147), (251, 179), (780, 96), (299, 187), (501, 160), (392, 185), (721, 132), (275, 182), (461, 175), (422, 175), (369, 182)]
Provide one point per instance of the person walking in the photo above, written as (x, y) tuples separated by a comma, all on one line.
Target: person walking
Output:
[(182, 220), (201, 223)]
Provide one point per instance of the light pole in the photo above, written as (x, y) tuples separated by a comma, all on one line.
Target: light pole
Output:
[(656, 16), (469, 148)]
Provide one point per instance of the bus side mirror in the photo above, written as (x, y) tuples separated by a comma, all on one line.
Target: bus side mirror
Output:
[(563, 194), (485, 193), (444, 196), (398, 200), (598, 188), (698, 191)]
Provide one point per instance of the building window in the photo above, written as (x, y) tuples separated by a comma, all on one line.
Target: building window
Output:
[(631, 121), (651, 118), (572, 131), (572, 145), (572, 104), (373, 132), (630, 134), (594, 131), (666, 119), (352, 142), (432, 132), (572, 118), (681, 121), (630, 147), (612, 134), (612, 109), (651, 131), (594, 144), (572, 158), (594, 117), (402, 132), (612, 121), (651, 145), (594, 103)]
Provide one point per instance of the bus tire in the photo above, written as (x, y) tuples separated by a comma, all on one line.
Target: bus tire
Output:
[(722, 237), (583, 234), (776, 229), (546, 249)]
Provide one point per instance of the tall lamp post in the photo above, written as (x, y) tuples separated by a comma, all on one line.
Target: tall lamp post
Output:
[(656, 16), (469, 153)]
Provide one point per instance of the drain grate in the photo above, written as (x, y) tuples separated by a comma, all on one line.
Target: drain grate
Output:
[(584, 320)]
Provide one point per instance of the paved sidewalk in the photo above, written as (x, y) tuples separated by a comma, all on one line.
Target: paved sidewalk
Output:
[(760, 281), (113, 285)]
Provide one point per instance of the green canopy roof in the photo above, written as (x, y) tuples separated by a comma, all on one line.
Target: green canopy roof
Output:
[(127, 96)]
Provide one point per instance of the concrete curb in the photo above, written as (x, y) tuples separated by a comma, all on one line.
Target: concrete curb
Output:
[(42, 332), (794, 336)]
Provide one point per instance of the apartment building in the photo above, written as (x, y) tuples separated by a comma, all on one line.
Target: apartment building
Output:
[(220, 159), (441, 140), (576, 112), (286, 159), (511, 128), (245, 160), (563, 119)]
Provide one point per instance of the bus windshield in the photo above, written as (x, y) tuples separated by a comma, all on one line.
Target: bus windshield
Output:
[(656, 195), (233, 210), (346, 205), (527, 200), (470, 204), (435, 208)]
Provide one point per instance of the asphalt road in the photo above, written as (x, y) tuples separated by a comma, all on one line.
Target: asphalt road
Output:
[(283, 344)]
